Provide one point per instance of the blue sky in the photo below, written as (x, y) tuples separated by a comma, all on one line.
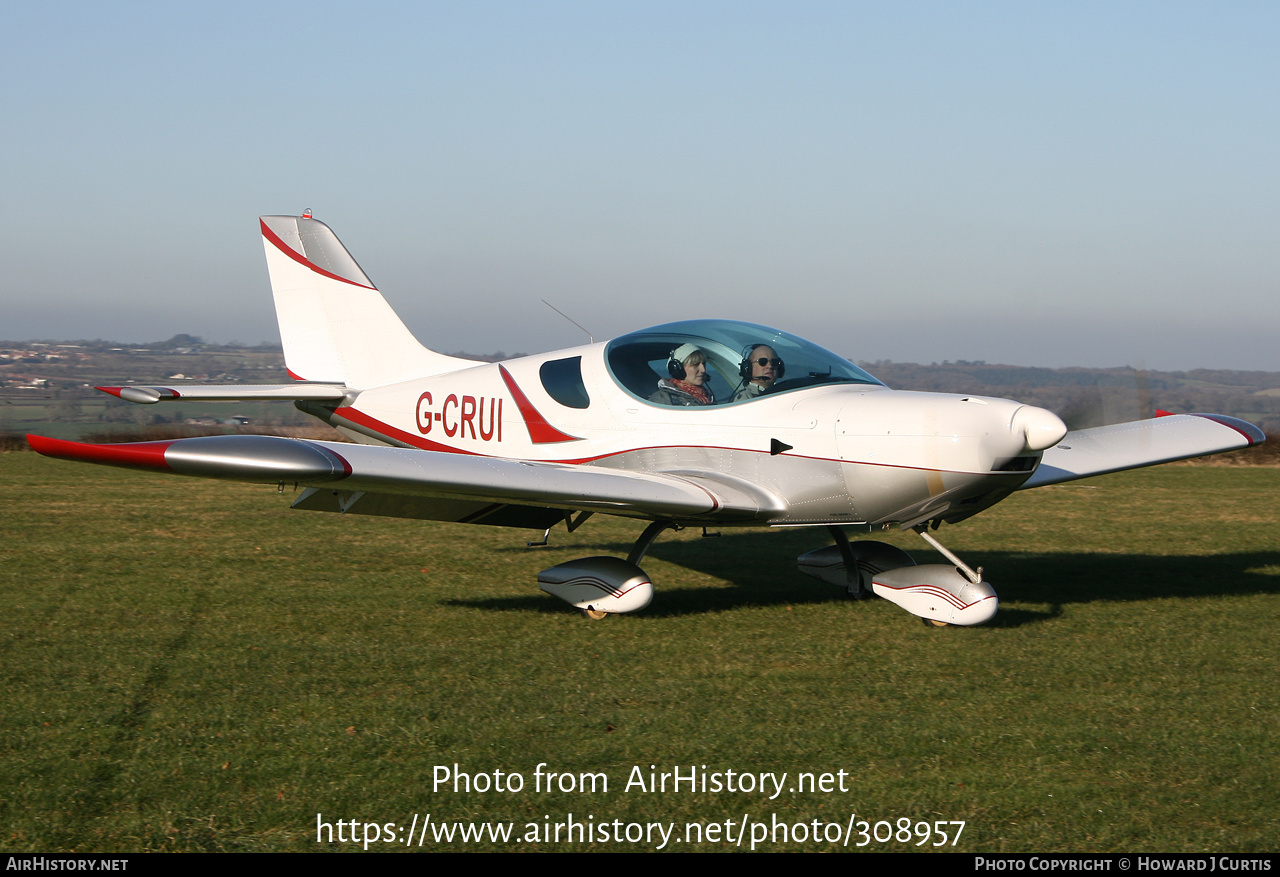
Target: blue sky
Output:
[(1042, 184)]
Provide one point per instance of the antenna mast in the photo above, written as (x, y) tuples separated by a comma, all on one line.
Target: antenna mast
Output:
[(569, 318)]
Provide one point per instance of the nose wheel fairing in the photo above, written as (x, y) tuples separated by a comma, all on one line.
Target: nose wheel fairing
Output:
[(941, 593)]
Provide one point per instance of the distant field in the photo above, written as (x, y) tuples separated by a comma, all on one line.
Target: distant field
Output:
[(188, 665), (102, 413), (36, 390)]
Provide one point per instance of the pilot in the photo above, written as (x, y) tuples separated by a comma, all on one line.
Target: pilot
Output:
[(687, 385), (760, 368)]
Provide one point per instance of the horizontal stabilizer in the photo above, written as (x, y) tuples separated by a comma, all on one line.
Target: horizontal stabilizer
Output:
[(229, 392), (1121, 446), (413, 472)]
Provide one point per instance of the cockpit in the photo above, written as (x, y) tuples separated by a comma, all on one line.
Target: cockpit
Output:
[(644, 361)]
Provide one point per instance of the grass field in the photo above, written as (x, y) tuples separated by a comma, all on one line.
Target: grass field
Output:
[(102, 413), (188, 665)]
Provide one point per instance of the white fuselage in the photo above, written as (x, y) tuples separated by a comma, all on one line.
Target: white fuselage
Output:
[(831, 453)]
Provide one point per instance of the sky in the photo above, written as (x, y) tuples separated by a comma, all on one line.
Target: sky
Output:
[(1047, 184)]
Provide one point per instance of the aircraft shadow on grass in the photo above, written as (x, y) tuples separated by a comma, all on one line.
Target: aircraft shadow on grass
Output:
[(760, 570)]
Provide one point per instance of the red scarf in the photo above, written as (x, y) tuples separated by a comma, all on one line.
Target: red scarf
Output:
[(697, 392)]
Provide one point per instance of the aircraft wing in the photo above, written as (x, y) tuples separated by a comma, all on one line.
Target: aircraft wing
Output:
[(1163, 439), (227, 392), (454, 482)]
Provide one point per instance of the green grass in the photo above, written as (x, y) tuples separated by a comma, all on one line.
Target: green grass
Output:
[(188, 665)]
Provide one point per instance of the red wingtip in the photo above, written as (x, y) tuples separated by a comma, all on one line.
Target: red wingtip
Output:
[(114, 391), (1160, 412), (134, 455)]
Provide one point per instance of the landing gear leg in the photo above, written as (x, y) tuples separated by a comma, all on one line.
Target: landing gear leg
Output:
[(940, 594), (852, 565), (641, 548), (638, 551), (853, 578), (972, 575)]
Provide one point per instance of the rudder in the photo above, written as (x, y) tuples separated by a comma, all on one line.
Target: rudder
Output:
[(334, 323)]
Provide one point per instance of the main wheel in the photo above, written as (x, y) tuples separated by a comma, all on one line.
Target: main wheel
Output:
[(595, 614), (929, 622)]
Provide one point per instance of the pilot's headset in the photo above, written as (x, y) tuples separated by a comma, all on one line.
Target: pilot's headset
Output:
[(744, 367), (675, 363)]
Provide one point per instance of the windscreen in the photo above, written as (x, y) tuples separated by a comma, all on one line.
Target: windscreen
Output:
[(642, 361)]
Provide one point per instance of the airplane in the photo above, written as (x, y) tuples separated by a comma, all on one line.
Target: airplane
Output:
[(790, 435)]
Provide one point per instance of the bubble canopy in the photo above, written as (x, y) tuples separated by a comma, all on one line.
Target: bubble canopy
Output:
[(638, 361)]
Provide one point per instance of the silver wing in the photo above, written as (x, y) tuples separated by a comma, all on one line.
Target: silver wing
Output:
[(1104, 449), (407, 482)]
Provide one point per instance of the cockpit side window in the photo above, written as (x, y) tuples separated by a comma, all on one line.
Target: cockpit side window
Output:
[(638, 366), (562, 379)]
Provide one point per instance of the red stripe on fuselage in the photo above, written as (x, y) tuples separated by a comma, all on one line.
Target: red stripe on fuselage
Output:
[(540, 432), (386, 430), (378, 429)]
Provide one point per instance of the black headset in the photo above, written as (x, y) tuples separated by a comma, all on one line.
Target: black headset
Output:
[(675, 364), (744, 367)]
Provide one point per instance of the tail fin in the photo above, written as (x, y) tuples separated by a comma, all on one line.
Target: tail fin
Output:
[(335, 325)]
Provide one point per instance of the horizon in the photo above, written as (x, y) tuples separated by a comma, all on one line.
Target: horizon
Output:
[(923, 181), (496, 355)]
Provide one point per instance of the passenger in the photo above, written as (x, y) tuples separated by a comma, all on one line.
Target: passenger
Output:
[(687, 385), (760, 368)]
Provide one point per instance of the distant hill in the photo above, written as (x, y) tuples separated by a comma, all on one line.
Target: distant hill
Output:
[(1086, 397), (61, 375)]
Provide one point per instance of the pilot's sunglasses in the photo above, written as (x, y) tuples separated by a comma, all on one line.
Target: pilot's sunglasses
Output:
[(764, 360)]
